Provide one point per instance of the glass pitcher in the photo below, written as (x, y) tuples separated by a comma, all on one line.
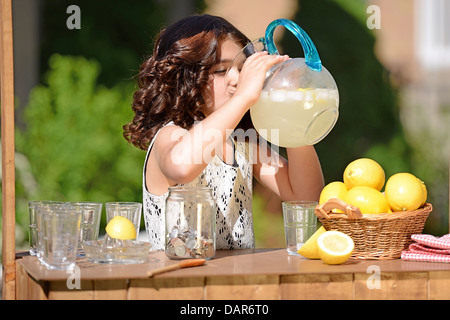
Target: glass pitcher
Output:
[(299, 103)]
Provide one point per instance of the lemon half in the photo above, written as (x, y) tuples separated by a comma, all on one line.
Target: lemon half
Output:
[(334, 247), (121, 228)]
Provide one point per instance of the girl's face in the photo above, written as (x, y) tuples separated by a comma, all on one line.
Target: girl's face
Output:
[(222, 83)]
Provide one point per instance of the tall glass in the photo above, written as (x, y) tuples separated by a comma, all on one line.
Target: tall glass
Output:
[(58, 227), (300, 223), (91, 213), (32, 217)]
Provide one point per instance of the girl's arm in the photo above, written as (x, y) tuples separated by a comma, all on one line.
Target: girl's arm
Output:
[(298, 178), (183, 154)]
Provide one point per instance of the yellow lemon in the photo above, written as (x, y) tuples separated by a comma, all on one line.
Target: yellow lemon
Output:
[(121, 228), (335, 189), (367, 199), (364, 172), (309, 249), (404, 192), (334, 247)]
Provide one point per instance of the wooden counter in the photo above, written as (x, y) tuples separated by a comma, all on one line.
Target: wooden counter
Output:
[(237, 274)]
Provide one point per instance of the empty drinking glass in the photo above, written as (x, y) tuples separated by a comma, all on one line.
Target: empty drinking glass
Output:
[(91, 213), (33, 222), (58, 228)]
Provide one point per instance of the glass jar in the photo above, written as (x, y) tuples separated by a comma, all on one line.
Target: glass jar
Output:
[(190, 223)]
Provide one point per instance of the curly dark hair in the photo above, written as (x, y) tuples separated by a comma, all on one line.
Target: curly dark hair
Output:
[(173, 81)]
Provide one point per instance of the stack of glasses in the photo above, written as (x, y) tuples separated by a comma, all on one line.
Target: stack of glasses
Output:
[(58, 230)]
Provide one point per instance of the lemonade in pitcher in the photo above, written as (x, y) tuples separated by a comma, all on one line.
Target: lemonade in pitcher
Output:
[(293, 118), (299, 102)]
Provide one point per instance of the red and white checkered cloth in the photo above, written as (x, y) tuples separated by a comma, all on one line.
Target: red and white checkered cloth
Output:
[(428, 248)]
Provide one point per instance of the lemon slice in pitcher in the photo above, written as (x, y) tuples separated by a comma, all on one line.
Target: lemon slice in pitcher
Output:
[(334, 247), (121, 228)]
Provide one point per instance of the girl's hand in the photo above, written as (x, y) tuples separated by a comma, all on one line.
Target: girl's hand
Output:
[(253, 74)]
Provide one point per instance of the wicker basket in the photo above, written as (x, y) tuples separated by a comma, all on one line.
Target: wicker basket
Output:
[(376, 236)]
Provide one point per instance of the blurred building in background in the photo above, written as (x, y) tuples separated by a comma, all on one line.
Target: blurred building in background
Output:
[(252, 17), (414, 45)]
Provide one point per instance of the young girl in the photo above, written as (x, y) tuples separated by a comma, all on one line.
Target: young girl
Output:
[(186, 108)]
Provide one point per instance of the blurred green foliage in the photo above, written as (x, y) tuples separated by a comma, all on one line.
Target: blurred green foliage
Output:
[(73, 138), (268, 226)]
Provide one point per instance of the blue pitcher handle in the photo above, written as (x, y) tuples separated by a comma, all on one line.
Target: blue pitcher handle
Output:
[(312, 59)]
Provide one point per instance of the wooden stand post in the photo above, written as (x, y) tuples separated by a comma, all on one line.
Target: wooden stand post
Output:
[(8, 170)]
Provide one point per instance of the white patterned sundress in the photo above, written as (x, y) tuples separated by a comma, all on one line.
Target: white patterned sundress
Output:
[(232, 189)]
